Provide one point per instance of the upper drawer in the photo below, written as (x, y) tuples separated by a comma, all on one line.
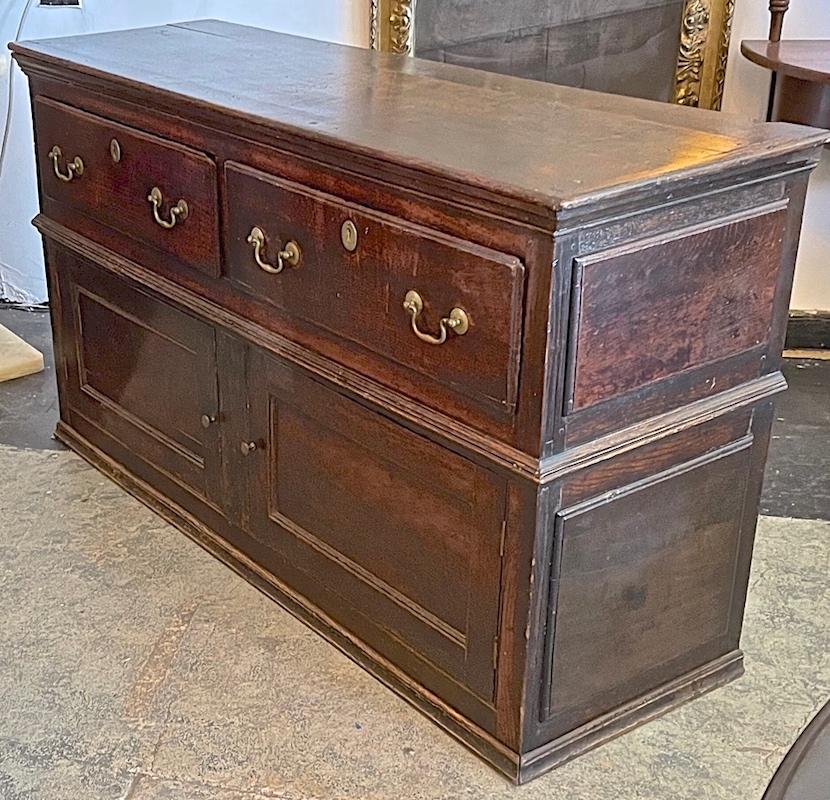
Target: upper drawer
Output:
[(159, 192), (352, 271)]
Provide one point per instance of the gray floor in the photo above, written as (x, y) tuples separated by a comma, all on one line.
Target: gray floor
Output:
[(29, 406), (797, 479), (133, 666)]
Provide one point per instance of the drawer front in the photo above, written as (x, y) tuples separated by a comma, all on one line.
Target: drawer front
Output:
[(140, 377), (648, 312), (118, 171), (396, 538), (353, 282)]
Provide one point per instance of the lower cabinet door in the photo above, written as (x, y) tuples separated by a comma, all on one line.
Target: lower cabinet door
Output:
[(139, 378), (395, 538)]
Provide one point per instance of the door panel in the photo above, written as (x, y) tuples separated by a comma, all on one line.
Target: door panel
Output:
[(406, 534), (142, 372)]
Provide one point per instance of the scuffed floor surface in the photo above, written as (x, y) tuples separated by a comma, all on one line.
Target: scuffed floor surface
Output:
[(133, 665)]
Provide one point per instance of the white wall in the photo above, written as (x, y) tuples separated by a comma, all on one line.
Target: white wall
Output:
[(21, 268), (21, 259), (747, 90)]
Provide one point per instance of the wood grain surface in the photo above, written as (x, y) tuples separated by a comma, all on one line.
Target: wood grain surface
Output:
[(539, 532), (543, 145)]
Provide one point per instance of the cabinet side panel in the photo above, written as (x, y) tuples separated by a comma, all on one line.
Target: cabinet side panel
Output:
[(650, 312), (644, 561), (644, 582)]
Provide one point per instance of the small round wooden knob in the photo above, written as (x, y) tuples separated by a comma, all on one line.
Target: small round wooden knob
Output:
[(246, 448)]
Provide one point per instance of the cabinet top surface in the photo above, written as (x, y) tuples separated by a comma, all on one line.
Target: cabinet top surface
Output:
[(537, 143)]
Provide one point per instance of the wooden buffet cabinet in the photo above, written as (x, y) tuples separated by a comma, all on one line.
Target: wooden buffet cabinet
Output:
[(474, 375)]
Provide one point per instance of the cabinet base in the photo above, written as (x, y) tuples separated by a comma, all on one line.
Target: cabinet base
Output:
[(518, 768), (653, 704)]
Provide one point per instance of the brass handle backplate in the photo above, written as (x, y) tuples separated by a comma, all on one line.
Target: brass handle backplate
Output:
[(178, 212), (288, 256), (458, 322), (74, 168)]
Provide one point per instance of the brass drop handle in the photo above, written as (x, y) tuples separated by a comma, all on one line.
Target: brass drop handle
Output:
[(74, 168), (458, 322), (178, 212), (289, 255), (246, 448)]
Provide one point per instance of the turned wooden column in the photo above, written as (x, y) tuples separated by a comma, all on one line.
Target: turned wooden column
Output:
[(777, 9), (800, 90)]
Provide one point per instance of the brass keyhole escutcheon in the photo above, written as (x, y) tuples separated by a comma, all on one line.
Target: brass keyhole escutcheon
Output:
[(115, 151), (348, 235)]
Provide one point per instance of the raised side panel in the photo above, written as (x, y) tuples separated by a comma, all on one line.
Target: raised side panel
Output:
[(405, 536), (649, 311), (642, 584)]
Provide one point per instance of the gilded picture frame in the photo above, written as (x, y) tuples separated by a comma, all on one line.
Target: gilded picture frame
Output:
[(702, 47)]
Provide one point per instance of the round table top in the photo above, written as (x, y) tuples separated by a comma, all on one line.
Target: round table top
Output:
[(804, 774), (807, 59)]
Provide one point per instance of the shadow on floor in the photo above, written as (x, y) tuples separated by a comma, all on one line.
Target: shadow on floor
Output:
[(29, 406)]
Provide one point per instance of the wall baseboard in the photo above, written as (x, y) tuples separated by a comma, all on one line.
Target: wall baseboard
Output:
[(808, 330)]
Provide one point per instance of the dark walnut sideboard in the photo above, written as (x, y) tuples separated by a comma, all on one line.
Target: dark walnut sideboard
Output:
[(472, 374)]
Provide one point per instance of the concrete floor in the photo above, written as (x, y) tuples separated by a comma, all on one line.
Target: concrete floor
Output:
[(133, 666)]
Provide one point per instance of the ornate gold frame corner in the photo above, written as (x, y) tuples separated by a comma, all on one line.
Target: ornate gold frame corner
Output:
[(703, 52), (703, 47), (393, 26)]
